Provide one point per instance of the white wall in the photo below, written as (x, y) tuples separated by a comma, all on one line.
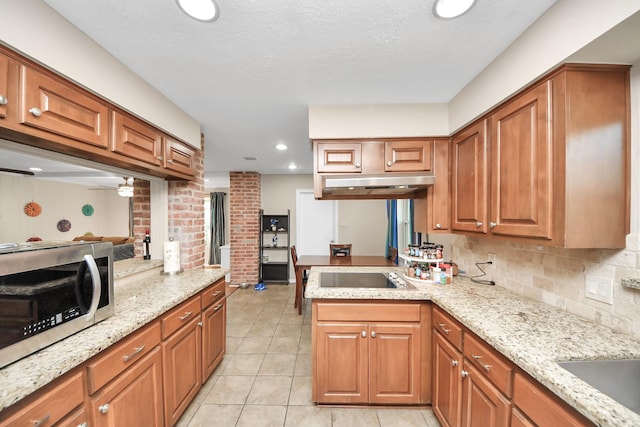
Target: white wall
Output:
[(58, 201), (32, 27)]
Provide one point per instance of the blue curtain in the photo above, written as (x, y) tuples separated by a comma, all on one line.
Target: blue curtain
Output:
[(392, 226)]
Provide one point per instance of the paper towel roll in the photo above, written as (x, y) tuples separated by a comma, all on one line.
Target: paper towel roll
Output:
[(171, 257)]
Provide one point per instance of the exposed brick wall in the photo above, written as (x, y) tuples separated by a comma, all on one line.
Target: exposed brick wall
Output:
[(185, 212), (245, 201), (186, 216)]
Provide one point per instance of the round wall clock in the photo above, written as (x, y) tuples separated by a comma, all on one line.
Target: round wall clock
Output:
[(87, 210), (32, 209), (64, 225)]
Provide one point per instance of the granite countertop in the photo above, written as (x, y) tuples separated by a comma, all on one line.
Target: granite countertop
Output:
[(531, 334), (142, 294)]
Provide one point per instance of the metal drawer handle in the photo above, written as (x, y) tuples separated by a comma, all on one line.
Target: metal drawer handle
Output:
[(217, 307), (36, 112), (84, 424), (132, 355), (3, 100), (41, 421), (442, 326), (486, 367), (187, 314), (103, 409), (216, 293)]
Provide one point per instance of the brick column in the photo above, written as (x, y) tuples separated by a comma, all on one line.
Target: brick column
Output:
[(141, 213), (245, 202)]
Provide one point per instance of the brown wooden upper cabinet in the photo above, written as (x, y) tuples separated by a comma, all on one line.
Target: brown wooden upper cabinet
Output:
[(136, 139), (4, 85), (342, 157), (432, 212), (179, 157), (550, 165), (54, 106), (408, 155)]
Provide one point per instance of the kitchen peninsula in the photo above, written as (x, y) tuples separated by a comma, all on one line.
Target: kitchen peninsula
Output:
[(148, 306), (526, 336)]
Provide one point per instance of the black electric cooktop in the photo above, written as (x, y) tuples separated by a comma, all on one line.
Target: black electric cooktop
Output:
[(355, 280)]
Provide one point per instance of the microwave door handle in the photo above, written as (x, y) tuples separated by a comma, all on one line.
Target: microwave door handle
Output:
[(97, 286)]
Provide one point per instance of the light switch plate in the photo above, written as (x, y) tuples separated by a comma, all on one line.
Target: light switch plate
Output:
[(599, 289)]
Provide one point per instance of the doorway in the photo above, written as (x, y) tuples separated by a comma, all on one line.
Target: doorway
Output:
[(316, 224)]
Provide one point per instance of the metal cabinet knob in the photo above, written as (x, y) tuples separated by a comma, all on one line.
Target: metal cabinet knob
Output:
[(357, 165), (389, 163), (438, 226), (454, 362), (159, 158), (464, 374), (36, 112), (84, 424), (492, 224), (103, 409), (373, 334), (479, 224), (3, 100), (364, 334)]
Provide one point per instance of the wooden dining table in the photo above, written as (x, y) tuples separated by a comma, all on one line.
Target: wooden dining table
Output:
[(305, 262)]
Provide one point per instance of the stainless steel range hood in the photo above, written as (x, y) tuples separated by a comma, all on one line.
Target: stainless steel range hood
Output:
[(375, 186)]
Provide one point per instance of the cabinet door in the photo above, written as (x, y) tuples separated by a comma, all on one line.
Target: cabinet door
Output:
[(482, 404), (447, 393), (339, 157), (341, 363), (394, 363), (408, 156), (179, 157), (133, 398), (469, 186), (433, 212), (213, 337), (182, 364), (521, 166), (60, 108), (136, 139), (4, 85)]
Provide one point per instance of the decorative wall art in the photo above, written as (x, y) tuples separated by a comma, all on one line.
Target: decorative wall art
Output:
[(64, 225), (87, 210), (32, 209)]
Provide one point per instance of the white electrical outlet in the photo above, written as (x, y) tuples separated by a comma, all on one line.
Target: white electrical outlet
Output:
[(599, 289)]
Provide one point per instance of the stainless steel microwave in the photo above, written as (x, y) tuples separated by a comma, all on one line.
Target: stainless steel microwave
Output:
[(49, 291)]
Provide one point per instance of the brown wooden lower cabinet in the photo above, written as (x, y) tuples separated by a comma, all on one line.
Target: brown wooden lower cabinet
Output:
[(367, 361), (214, 337), (447, 387), (134, 398), (482, 403)]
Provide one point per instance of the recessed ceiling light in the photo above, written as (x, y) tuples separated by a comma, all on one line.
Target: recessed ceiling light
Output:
[(36, 169), (281, 147), (448, 9), (293, 166), (201, 10)]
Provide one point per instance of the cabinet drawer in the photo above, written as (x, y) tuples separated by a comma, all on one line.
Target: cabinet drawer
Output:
[(180, 316), (212, 294), (136, 139), (492, 365), (122, 355), (367, 312), (52, 405), (448, 327)]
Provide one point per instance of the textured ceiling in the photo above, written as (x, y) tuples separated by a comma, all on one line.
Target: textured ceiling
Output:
[(248, 77)]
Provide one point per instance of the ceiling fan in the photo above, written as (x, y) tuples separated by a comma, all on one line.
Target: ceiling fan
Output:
[(124, 190), (17, 171)]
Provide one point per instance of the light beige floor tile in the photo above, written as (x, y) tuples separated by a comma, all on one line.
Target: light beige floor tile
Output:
[(308, 416), (288, 331), (401, 418), (347, 417), (254, 345), (278, 364), (243, 364), (262, 330), (230, 390), (303, 366), (305, 346), (238, 330), (266, 318), (291, 319), (301, 392), (262, 416), (232, 344), (270, 390), (430, 417), (284, 345), (220, 415)]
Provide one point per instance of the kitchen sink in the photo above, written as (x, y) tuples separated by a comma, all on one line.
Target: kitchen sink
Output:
[(618, 379)]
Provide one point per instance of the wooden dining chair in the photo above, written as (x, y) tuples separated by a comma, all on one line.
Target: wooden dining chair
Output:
[(392, 254), (340, 249), (301, 280)]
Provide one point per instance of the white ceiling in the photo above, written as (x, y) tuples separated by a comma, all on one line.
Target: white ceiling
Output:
[(248, 77)]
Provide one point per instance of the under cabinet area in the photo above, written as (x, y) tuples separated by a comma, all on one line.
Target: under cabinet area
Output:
[(370, 352)]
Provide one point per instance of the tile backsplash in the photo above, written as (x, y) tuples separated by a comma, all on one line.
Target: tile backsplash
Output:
[(558, 277)]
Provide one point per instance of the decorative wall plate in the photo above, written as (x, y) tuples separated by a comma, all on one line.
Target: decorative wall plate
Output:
[(87, 210), (34, 239), (64, 225), (32, 209)]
